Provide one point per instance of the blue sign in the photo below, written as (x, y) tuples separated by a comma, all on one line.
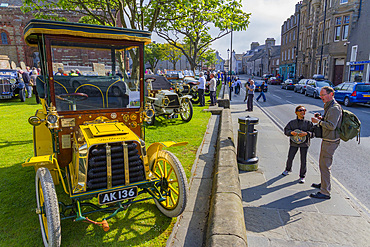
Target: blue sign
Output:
[(359, 62)]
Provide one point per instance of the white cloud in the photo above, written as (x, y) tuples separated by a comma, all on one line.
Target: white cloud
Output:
[(267, 17)]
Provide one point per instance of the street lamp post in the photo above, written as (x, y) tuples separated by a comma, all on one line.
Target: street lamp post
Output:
[(231, 48)]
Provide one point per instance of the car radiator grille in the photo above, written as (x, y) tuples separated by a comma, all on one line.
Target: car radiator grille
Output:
[(174, 101), (5, 85), (98, 171)]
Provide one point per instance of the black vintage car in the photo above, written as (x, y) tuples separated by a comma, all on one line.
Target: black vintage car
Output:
[(10, 86)]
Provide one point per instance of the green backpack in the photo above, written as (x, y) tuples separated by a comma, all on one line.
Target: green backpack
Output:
[(350, 126)]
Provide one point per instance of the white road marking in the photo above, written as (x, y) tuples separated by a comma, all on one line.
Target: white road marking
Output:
[(276, 96), (290, 102)]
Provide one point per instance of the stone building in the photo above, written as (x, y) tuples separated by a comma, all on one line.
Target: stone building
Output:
[(12, 23), (324, 30), (289, 41), (262, 59), (358, 47)]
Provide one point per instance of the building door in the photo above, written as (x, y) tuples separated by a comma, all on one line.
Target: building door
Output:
[(338, 74), (338, 71)]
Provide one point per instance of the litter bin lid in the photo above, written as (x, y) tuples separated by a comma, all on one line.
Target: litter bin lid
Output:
[(248, 120)]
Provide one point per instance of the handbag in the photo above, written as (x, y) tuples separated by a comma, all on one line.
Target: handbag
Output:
[(317, 130)]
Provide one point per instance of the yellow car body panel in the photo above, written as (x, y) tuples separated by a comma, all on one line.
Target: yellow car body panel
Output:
[(155, 147), (42, 139), (106, 133)]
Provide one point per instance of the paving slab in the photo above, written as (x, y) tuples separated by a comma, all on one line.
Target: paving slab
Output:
[(278, 210)]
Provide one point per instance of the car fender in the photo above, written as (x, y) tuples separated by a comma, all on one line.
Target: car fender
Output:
[(152, 98), (186, 96), (20, 85), (157, 146)]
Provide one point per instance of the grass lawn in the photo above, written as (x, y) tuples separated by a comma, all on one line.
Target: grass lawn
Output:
[(142, 224)]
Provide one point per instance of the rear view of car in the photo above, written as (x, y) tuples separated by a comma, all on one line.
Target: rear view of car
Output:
[(289, 84), (274, 81), (258, 85), (350, 93), (300, 87)]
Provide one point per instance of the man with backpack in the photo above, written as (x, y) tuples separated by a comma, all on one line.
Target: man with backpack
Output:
[(329, 122)]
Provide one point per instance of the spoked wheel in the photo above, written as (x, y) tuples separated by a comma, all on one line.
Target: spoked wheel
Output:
[(168, 169), (187, 114), (47, 202)]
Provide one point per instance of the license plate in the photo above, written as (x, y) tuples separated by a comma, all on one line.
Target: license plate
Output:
[(117, 195)]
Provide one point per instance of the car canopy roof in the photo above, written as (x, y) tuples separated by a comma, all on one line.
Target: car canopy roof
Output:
[(38, 27)]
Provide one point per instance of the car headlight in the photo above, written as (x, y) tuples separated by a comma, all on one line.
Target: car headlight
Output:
[(166, 101), (52, 118)]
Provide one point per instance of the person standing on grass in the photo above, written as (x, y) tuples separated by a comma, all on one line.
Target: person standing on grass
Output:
[(250, 92), (201, 86), (212, 89), (300, 132)]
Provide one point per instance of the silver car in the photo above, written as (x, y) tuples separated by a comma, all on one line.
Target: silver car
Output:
[(300, 87), (313, 87)]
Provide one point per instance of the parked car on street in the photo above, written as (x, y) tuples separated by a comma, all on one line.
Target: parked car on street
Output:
[(300, 87), (258, 86), (314, 87), (10, 86), (350, 93), (289, 84), (274, 81), (267, 76)]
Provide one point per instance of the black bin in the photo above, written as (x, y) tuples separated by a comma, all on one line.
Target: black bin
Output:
[(247, 143)]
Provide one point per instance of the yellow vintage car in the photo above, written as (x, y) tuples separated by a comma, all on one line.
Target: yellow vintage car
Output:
[(89, 132)]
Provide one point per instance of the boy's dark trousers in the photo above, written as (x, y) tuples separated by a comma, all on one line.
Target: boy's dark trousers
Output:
[(291, 154)]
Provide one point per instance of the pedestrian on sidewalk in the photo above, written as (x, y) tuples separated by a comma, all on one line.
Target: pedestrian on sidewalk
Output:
[(263, 86), (201, 86), (300, 132), (330, 139), (231, 86), (250, 92), (248, 83), (238, 85), (212, 89)]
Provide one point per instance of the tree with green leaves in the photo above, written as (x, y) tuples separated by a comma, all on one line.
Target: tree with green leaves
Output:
[(141, 15), (208, 58), (154, 52), (190, 21), (172, 53)]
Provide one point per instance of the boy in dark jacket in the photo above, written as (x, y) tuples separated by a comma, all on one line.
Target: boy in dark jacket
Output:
[(300, 131)]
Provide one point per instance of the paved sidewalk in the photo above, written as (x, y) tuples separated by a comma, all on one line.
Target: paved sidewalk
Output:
[(278, 210)]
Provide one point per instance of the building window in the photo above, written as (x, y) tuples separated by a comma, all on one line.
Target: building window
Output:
[(343, 1), (337, 28), (4, 38), (354, 53)]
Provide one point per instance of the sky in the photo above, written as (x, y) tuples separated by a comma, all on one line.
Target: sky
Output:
[(267, 17)]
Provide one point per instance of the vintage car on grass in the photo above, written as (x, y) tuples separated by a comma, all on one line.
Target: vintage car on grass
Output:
[(169, 103), (89, 133), (10, 86)]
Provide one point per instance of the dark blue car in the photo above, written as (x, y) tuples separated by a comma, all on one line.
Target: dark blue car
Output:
[(10, 85), (352, 92)]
